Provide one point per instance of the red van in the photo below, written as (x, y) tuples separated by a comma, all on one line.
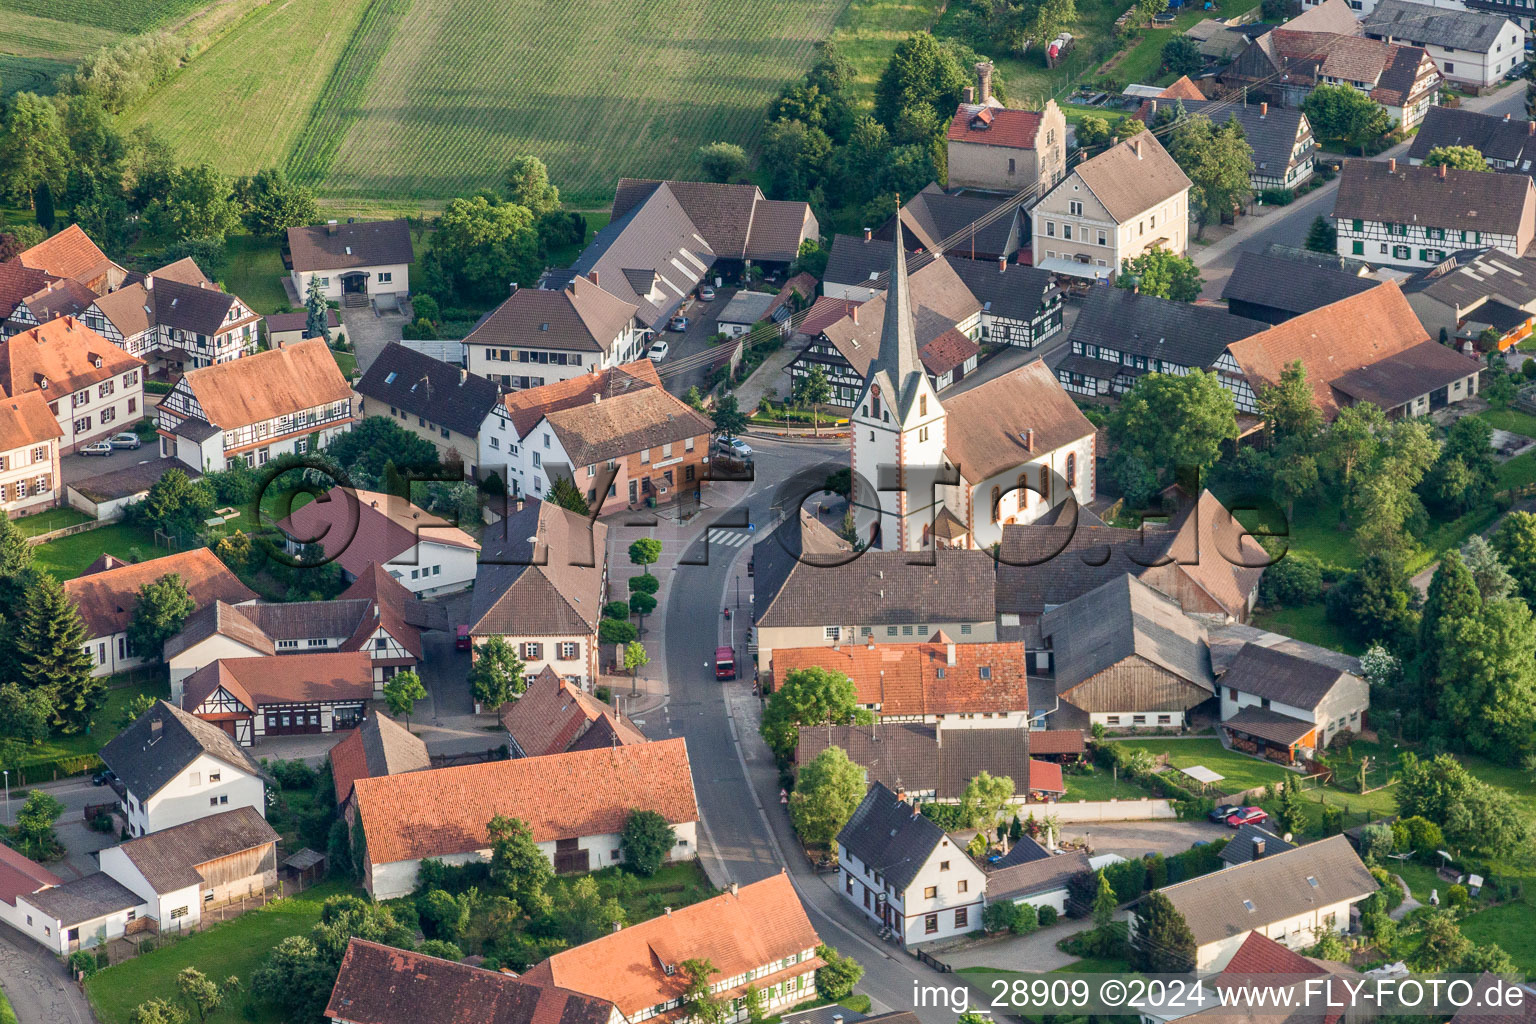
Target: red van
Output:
[(725, 663), (461, 638)]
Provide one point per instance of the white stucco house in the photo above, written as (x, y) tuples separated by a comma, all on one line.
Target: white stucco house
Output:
[(354, 260)]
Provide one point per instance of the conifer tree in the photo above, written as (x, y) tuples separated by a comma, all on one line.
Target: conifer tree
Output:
[(51, 655)]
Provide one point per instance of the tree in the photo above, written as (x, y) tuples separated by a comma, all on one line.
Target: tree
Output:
[(1219, 163), (1338, 113), (24, 716), (497, 673), (699, 1003), (33, 832), (160, 612), (809, 696), (635, 657), (1351, 440), (1487, 959), (1093, 132), (295, 976), (1461, 158), (1181, 56), (51, 657), (644, 552), (1471, 812), (1452, 598), (728, 417), (317, 320), (1051, 18), (1515, 541), (826, 794), (1288, 408), (837, 975), (1326, 944), (795, 155), (722, 161), (158, 1011), (1488, 573), (484, 243), (1322, 236), (1291, 814), (517, 863), (1464, 474), (1488, 669), (920, 73), (646, 841), (1104, 903), (42, 206), (401, 694), (1442, 946), (613, 631), (34, 150), (813, 389), (984, 798), (582, 913), (200, 992), (567, 495), (201, 204), (1162, 273), (1146, 10), (642, 604), (375, 443), (1163, 943), (526, 184), (176, 504), (1127, 126), (274, 203), (1376, 601), (1174, 424)]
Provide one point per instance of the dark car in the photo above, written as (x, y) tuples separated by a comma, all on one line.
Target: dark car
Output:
[(104, 778), (1223, 812), (1247, 816)]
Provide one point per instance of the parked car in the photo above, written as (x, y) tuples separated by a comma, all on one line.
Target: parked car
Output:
[(677, 324), (129, 441), (1223, 812), (706, 293), (734, 446), (98, 448), (461, 640), (1247, 816), (1516, 72), (104, 778), (658, 352)]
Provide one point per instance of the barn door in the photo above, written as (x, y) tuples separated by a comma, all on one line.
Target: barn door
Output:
[(570, 859)]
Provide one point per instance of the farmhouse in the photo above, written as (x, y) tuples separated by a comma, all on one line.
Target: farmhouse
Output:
[(186, 869), (554, 716), (93, 388), (65, 916), (542, 335), (378, 746), (1030, 873), (281, 695), (434, 400), (905, 874), (1284, 149), (174, 767), (1508, 145), (1274, 289), (937, 762), (108, 592), (71, 255), (1286, 897), (352, 260), (278, 402), (384, 985), (856, 268), (1474, 290), (743, 310), (540, 586), (1275, 701), (994, 147), (29, 455), (1128, 656), (1108, 210), (1471, 48), (358, 529), (737, 223), (576, 805), (966, 226), (754, 935), (177, 317)]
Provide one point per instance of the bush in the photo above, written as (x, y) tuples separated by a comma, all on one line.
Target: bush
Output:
[(83, 963), (1457, 896), (1294, 580), (645, 583), (102, 822), (1375, 842), (1277, 197), (616, 610), (1391, 892), (292, 774), (1333, 819), (1047, 916)]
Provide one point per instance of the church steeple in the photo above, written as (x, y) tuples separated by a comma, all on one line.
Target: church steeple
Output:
[(897, 357)]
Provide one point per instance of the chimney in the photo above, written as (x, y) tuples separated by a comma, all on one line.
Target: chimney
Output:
[(970, 95), (1530, 127), (837, 1018), (667, 911), (1391, 165), (983, 81), (1153, 108), (1263, 110), (618, 926), (511, 287), (1506, 116), (202, 284), (949, 653), (592, 276), (596, 398), (463, 377), (854, 312), (1002, 264), (1442, 172), (155, 728), (868, 232), (330, 227), (1258, 847), (735, 889), (1136, 146), (1029, 438), (149, 284)]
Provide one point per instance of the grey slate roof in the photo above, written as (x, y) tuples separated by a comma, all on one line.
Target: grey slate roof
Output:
[(1281, 676), (1043, 565), (910, 755), (1407, 375), (891, 836), (1176, 332), (1271, 133), (1030, 878), (126, 480), (1421, 25), (84, 899), (560, 597), (1227, 642), (1289, 285), (933, 217), (580, 316), (146, 759), (1462, 200), (422, 386), (1016, 292), (1468, 277), (736, 220), (1121, 619), (1279, 888), (746, 307), (168, 859), (1243, 847), (374, 243), (189, 307), (1495, 137), (852, 260)]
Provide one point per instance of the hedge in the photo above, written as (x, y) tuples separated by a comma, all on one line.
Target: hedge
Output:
[(1132, 878), (32, 773)]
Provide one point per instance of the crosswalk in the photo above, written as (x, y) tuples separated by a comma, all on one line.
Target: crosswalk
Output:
[(727, 538)]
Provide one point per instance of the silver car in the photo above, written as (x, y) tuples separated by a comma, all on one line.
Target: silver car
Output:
[(129, 441)]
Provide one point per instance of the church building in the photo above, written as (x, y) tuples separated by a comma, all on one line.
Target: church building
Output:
[(953, 475)]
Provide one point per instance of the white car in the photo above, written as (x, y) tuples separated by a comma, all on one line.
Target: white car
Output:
[(658, 352), (734, 446), (130, 441), (98, 448)]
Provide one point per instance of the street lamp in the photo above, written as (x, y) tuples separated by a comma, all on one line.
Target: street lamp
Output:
[(7, 796)]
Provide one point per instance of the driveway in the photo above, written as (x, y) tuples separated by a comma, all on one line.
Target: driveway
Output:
[(1132, 839), (37, 986), (701, 327), (369, 332)]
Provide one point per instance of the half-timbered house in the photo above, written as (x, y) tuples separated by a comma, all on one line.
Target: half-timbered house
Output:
[(176, 317), (250, 698), (92, 387)]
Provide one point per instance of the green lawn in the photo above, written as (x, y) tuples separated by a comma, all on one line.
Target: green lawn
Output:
[(1101, 785), (236, 947), (68, 557), (1519, 471), (1095, 965), (1309, 623), (1421, 878), (1238, 771), (1512, 420), (1509, 926), (124, 689), (1145, 61), (255, 273), (53, 519), (7, 1015), (346, 361)]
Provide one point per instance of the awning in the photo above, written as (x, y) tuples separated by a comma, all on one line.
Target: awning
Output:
[(1200, 773), (1057, 265)]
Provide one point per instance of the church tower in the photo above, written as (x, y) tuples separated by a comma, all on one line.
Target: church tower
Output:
[(898, 428)]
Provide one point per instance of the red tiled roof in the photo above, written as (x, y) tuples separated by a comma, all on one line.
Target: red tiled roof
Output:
[(19, 876), (280, 381), (390, 599), (1053, 741), (70, 253), (17, 281), (62, 352), (737, 932), (825, 312), (1183, 89), (590, 792), (995, 126), (25, 420), (552, 714), (1044, 776), (916, 679), (947, 351), (530, 405), (1260, 954), (106, 599), (284, 679), (361, 528), (379, 746)]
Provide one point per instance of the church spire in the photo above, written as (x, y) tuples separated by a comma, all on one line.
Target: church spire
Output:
[(897, 355)]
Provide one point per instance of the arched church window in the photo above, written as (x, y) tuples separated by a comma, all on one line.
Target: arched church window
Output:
[(997, 500), (1071, 469)]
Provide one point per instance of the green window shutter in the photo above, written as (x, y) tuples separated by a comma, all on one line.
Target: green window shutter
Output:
[(1358, 248), (1359, 224)]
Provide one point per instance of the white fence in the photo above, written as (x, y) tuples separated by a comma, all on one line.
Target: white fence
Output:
[(1071, 811)]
